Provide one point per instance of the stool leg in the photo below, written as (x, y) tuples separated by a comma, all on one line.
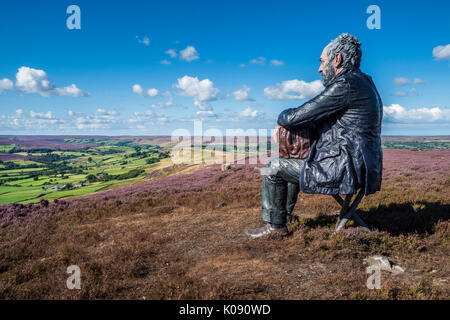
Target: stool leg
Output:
[(338, 199), (344, 209), (350, 212)]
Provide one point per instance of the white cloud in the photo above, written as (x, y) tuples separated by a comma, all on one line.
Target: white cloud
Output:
[(5, 84), (40, 115), (302, 90), (172, 53), (99, 119), (189, 54), (442, 52), (162, 120), (201, 91), (276, 63), (104, 112), (259, 60), (242, 94), (146, 113), (31, 80), (160, 105), (207, 113), (401, 81), (71, 90), (165, 62), (144, 93), (144, 41), (249, 112), (74, 113), (397, 113), (406, 93)]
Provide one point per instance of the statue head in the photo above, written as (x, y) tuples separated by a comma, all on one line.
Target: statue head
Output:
[(344, 52)]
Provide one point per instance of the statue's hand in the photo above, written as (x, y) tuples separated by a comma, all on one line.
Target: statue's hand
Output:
[(275, 135)]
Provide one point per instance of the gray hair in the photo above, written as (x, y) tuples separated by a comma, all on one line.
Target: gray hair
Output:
[(349, 48)]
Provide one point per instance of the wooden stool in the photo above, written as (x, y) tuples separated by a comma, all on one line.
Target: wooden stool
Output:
[(349, 211)]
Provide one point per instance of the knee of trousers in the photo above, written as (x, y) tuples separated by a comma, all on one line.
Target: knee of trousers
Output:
[(272, 168)]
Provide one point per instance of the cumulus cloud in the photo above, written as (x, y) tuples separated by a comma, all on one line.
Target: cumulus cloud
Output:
[(202, 91), (146, 119), (5, 84), (172, 53), (189, 54), (405, 93), (400, 81), (72, 113), (40, 115), (152, 92), (398, 113), (145, 41), (161, 105), (300, 88), (31, 80), (276, 63), (259, 60), (71, 90), (250, 113), (104, 112), (441, 52), (98, 119), (242, 94)]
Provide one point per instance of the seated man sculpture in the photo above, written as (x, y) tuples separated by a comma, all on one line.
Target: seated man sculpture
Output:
[(345, 154)]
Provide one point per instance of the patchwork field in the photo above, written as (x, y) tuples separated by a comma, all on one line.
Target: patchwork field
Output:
[(177, 231)]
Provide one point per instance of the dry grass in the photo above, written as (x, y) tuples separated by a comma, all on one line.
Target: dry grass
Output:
[(158, 244)]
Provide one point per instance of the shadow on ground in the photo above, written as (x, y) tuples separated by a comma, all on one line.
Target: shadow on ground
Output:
[(407, 218), (397, 219)]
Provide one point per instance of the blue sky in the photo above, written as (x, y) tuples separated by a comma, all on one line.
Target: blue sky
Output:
[(233, 64)]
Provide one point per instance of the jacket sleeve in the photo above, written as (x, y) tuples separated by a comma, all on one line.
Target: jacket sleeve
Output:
[(328, 103)]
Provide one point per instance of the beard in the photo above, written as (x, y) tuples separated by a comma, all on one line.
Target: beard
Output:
[(327, 74)]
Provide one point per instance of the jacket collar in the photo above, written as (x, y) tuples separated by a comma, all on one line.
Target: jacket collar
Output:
[(341, 74)]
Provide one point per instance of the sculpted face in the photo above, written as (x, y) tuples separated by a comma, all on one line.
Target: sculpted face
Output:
[(326, 68), (329, 69)]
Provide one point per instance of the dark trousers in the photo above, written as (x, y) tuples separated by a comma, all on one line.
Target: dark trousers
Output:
[(280, 189)]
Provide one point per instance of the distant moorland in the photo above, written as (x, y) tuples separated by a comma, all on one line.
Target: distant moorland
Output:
[(55, 167)]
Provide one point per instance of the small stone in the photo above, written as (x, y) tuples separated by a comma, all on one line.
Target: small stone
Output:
[(384, 264), (397, 269), (220, 205), (226, 166)]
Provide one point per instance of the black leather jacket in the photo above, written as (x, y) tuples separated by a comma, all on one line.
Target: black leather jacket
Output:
[(346, 151)]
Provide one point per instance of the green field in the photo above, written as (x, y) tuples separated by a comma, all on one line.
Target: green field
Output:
[(6, 148), (76, 172), (416, 145)]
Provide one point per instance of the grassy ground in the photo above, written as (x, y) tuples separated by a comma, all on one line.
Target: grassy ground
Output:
[(182, 237)]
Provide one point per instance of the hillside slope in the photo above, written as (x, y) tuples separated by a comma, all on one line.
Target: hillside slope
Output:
[(181, 236)]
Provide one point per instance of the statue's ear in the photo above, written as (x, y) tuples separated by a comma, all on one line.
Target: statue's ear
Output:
[(337, 60)]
